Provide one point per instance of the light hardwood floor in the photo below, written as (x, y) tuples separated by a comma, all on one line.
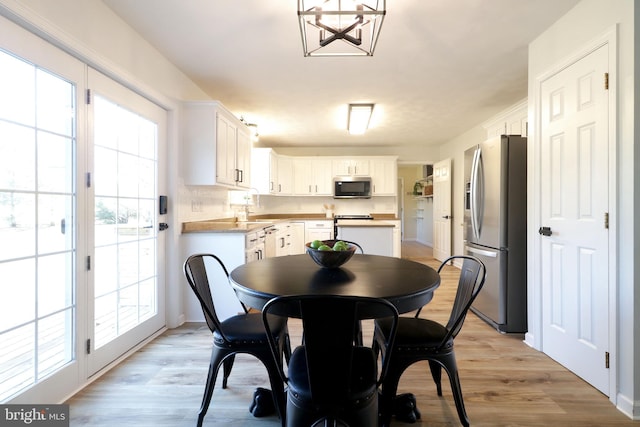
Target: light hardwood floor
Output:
[(504, 382)]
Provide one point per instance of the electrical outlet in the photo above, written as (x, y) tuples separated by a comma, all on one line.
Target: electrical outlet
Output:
[(196, 206)]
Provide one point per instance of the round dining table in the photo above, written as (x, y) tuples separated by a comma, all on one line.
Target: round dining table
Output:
[(407, 284)]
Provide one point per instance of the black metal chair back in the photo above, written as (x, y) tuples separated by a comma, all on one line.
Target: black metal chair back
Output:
[(243, 333), (423, 339)]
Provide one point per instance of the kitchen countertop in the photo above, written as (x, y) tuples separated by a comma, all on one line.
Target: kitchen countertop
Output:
[(229, 225), (365, 223)]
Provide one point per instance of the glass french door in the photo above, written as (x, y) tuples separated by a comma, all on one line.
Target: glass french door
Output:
[(81, 259), (39, 99), (128, 284)]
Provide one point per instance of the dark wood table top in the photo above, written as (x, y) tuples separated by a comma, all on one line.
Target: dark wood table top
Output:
[(406, 284)]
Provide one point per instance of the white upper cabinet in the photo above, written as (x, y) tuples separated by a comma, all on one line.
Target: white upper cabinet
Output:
[(217, 146), (350, 167), (384, 175), (285, 176), (264, 170), (513, 121), (312, 176)]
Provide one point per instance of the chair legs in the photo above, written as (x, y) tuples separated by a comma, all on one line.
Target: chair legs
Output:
[(398, 366), (436, 373), (217, 356), (227, 366), (449, 364), (222, 357)]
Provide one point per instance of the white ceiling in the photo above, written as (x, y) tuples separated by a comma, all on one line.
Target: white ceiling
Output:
[(440, 66)]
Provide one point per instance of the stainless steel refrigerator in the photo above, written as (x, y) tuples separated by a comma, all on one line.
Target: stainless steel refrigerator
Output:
[(495, 222)]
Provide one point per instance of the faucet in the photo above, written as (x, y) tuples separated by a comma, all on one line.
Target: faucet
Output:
[(248, 197)]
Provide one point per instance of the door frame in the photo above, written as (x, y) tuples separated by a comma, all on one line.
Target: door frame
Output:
[(534, 275)]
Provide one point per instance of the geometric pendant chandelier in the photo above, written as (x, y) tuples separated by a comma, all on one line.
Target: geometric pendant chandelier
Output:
[(340, 27)]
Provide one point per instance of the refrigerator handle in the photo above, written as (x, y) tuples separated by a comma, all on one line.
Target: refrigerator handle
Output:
[(483, 252), (473, 197)]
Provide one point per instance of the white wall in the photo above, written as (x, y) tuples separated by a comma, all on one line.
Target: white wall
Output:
[(454, 150), (588, 21)]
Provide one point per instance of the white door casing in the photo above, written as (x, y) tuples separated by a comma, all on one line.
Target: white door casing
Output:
[(442, 210), (574, 173)]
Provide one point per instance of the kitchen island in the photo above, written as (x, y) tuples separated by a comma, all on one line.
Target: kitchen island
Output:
[(376, 237)]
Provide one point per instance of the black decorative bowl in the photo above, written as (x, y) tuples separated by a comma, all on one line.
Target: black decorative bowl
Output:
[(330, 259)]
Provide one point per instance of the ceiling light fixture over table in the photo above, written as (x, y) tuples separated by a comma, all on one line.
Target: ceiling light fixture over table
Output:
[(340, 27)]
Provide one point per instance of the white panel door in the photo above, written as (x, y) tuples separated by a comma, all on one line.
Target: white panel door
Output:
[(442, 210), (574, 188)]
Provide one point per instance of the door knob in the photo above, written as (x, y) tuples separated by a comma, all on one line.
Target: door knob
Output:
[(544, 231), (447, 217)]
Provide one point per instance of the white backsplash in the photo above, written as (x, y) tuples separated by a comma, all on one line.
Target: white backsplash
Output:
[(197, 203)]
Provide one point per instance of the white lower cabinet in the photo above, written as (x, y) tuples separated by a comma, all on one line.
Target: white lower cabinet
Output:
[(283, 239), (254, 246), (297, 238), (318, 230), (231, 249)]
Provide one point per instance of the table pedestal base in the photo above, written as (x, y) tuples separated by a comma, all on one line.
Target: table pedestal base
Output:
[(262, 404), (405, 409)]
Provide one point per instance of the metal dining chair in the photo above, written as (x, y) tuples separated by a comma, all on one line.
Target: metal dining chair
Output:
[(242, 333), (423, 339), (330, 379)]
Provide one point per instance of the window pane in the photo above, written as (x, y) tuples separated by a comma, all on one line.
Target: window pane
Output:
[(55, 290), (17, 360), (106, 276), (17, 229), (106, 214), (128, 308), (147, 298), (106, 172), (55, 104), (17, 293), (55, 154), (147, 258), (106, 327), (127, 220), (127, 175), (17, 87), (17, 157), (147, 140), (147, 186), (127, 264), (55, 232), (54, 348)]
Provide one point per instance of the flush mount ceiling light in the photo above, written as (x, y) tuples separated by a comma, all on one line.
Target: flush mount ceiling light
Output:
[(359, 118), (340, 27)]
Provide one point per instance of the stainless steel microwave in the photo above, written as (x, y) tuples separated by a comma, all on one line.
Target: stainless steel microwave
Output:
[(352, 187)]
